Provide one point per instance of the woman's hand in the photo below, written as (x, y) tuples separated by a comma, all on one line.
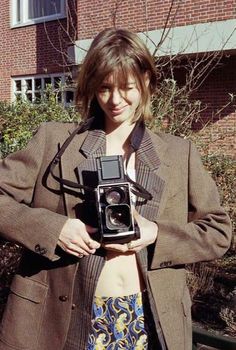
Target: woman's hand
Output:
[(148, 234), (75, 238)]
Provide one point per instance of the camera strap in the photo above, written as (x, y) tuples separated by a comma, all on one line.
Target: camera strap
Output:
[(136, 139), (139, 190), (81, 128)]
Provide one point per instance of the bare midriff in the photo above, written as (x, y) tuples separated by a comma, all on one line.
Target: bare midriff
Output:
[(120, 276)]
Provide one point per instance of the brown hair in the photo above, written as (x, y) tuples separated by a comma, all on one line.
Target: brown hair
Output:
[(122, 52)]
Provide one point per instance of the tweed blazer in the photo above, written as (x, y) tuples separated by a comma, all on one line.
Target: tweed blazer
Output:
[(33, 209)]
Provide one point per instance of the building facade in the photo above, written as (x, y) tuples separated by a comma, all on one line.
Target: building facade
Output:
[(43, 41), (32, 41)]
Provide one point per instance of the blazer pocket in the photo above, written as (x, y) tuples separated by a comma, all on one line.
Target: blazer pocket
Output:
[(23, 314)]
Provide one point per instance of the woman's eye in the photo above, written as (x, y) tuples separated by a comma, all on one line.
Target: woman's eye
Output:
[(103, 89), (127, 87)]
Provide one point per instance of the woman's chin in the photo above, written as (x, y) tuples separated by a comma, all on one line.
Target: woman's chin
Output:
[(119, 119)]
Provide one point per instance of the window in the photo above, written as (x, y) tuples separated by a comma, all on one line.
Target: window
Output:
[(33, 88), (25, 12)]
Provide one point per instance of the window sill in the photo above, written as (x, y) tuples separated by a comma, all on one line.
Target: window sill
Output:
[(37, 21)]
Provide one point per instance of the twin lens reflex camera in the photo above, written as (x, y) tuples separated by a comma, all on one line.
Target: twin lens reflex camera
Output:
[(113, 201)]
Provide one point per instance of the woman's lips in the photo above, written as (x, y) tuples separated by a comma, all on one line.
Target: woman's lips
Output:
[(117, 111)]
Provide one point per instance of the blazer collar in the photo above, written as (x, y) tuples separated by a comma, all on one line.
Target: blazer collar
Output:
[(151, 150), (95, 141)]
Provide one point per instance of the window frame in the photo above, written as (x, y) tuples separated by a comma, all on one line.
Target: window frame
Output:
[(24, 10), (23, 92)]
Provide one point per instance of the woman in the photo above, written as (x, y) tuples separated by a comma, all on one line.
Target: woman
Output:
[(75, 289)]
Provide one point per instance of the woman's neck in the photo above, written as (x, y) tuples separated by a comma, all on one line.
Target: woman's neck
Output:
[(120, 132), (118, 138)]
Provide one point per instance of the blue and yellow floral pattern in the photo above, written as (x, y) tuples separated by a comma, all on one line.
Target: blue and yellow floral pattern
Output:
[(119, 323)]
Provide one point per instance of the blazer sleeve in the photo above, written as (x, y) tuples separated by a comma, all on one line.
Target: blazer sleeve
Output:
[(206, 235), (37, 229)]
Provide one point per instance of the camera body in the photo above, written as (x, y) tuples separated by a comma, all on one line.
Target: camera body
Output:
[(113, 200)]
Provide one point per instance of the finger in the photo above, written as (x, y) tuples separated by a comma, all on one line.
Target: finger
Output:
[(77, 254), (135, 246), (116, 247), (92, 244), (83, 244), (77, 245), (72, 249)]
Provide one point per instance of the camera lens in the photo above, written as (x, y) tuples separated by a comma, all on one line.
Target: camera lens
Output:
[(118, 216), (114, 195)]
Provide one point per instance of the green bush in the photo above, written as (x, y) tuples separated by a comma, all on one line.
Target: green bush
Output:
[(20, 119), (222, 169), (173, 109)]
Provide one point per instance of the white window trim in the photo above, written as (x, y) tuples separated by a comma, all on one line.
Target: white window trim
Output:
[(25, 21), (23, 91)]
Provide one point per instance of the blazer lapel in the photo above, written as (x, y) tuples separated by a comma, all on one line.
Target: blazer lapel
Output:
[(80, 152), (95, 143), (152, 173)]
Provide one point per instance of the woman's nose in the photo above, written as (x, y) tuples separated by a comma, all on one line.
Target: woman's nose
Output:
[(115, 97)]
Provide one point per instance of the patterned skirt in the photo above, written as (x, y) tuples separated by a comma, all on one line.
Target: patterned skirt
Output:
[(122, 323)]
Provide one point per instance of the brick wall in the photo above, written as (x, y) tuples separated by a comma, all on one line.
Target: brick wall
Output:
[(220, 112), (27, 50), (139, 15)]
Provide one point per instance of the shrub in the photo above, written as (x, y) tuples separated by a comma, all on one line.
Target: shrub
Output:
[(174, 111), (20, 119), (222, 169)]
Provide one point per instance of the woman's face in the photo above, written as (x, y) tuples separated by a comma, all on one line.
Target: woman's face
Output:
[(118, 101)]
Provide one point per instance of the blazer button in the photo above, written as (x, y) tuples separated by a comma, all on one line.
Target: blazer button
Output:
[(40, 250), (37, 248), (165, 263), (63, 298), (43, 251), (73, 306)]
